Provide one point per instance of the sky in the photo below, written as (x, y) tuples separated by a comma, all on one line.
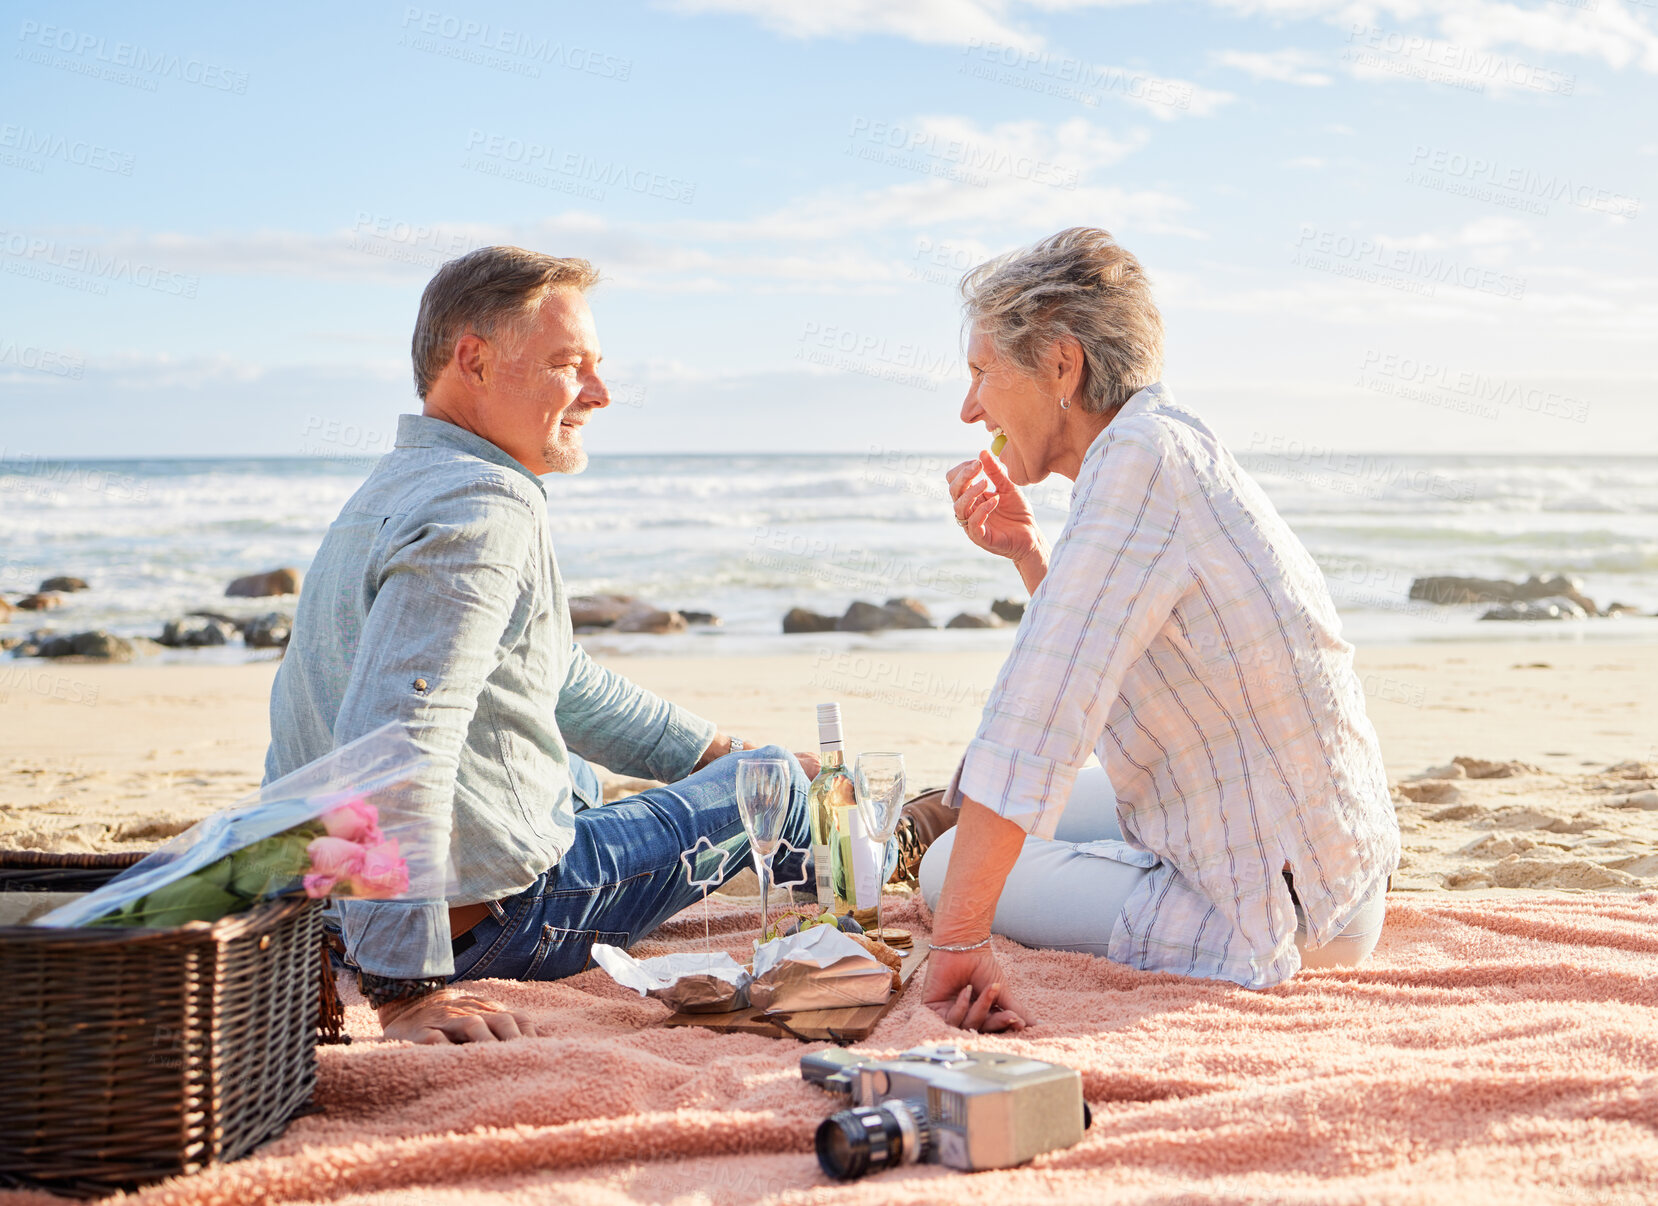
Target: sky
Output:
[(1402, 225)]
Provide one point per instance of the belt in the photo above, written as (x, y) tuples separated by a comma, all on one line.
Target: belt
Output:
[(462, 918)]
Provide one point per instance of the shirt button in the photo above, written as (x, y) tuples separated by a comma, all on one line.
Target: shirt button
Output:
[(420, 684)]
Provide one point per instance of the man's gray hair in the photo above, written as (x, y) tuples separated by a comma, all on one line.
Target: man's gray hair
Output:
[(1078, 282), (489, 292)]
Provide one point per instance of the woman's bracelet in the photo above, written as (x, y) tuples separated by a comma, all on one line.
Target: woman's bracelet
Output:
[(964, 947)]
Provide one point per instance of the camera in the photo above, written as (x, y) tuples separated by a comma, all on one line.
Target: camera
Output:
[(940, 1104)]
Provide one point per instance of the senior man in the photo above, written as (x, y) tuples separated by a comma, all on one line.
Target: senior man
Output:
[(435, 601)]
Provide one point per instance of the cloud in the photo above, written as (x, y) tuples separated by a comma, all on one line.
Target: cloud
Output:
[(1617, 32), (932, 22), (1005, 51), (1456, 36), (971, 179), (1288, 66), (939, 172), (1497, 232)]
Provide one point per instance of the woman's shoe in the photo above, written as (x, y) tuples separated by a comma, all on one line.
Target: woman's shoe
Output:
[(923, 821)]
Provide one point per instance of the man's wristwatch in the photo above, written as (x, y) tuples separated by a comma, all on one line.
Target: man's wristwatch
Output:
[(383, 990)]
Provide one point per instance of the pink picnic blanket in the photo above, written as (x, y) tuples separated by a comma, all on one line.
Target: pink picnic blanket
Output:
[(1492, 1050)]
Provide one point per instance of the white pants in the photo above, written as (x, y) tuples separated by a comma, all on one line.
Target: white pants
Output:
[(1038, 905)]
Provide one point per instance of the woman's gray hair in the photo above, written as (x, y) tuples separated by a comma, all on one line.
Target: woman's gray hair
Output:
[(1078, 282), (490, 292)]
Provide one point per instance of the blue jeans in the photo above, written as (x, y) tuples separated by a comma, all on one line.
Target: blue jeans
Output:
[(623, 876)]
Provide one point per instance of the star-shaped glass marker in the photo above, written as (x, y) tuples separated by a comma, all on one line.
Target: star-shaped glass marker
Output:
[(791, 848), (689, 860)]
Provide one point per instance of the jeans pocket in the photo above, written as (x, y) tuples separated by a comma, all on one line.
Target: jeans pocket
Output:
[(560, 953)]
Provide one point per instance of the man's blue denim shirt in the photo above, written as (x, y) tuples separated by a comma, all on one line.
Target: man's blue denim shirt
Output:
[(435, 601)]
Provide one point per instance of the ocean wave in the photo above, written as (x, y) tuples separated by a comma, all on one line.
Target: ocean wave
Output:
[(749, 536)]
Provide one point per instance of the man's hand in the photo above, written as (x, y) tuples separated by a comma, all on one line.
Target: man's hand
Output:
[(452, 1015), (721, 746), (968, 991)]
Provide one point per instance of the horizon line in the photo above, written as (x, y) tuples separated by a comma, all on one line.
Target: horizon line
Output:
[(11, 461)]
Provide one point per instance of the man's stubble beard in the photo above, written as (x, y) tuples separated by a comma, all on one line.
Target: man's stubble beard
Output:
[(565, 456)]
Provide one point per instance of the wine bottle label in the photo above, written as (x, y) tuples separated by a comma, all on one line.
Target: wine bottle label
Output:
[(825, 886), (867, 860)]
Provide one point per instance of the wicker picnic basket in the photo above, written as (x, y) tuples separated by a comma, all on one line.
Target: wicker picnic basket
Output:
[(139, 1054)]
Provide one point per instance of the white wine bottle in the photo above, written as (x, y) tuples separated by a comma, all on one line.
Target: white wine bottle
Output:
[(828, 802)]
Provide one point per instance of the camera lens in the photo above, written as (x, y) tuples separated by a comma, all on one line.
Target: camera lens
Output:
[(854, 1142)]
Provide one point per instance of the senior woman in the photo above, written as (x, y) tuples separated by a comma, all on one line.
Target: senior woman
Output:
[(1178, 630)]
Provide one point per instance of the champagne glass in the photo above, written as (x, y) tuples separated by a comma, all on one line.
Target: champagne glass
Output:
[(763, 791), (878, 783)]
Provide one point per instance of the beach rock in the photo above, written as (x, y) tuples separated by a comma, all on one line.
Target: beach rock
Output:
[(645, 618), (1620, 609), (270, 631), (69, 585), (801, 620), (705, 619), (968, 619), (1450, 590), (599, 611), (258, 586), (909, 613), (9, 643), (864, 617), (40, 602), (195, 632), (1557, 608), (6, 611), (1557, 586), (219, 616), (1008, 610), (100, 645)]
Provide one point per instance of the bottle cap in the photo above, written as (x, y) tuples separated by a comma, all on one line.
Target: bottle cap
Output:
[(829, 726)]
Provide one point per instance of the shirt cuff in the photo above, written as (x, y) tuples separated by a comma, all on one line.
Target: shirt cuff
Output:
[(408, 940), (684, 739), (1020, 787)]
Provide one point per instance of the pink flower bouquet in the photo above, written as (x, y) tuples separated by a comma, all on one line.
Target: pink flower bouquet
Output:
[(308, 858), (348, 824)]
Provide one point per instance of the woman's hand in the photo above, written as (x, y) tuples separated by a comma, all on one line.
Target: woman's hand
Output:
[(968, 991), (994, 512)]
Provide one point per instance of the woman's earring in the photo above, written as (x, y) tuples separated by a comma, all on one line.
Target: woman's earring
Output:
[(1064, 404)]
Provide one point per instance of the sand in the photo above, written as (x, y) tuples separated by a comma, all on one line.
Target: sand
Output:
[(101, 757)]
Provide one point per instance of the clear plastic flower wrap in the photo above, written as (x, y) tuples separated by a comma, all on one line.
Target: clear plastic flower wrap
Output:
[(347, 824)]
